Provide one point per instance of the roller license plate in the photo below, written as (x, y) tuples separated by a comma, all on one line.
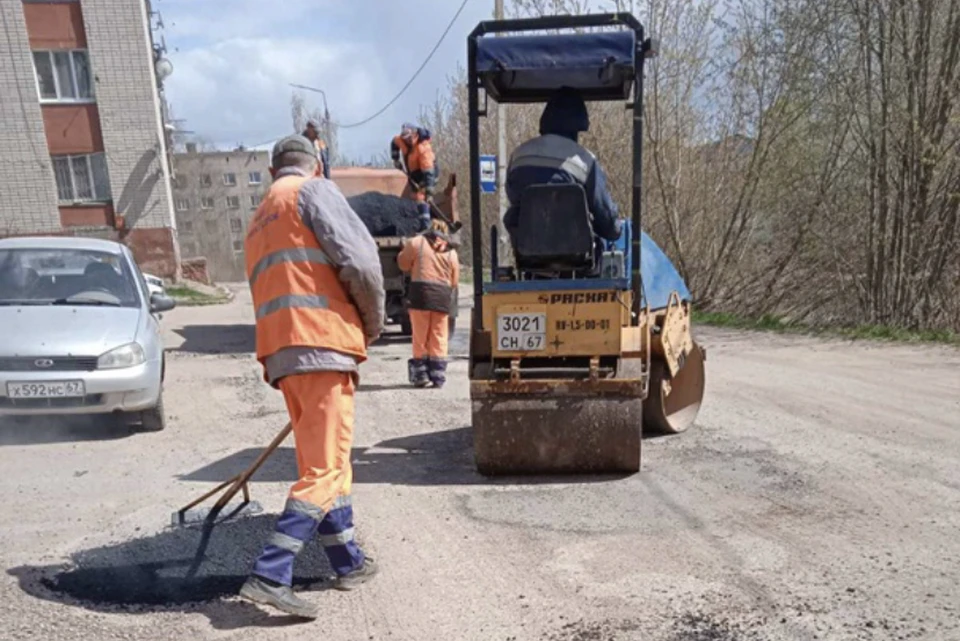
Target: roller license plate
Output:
[(521, 332), (47, 389)]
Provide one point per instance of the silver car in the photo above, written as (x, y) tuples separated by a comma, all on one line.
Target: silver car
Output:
[(154, 284), (79, 331)]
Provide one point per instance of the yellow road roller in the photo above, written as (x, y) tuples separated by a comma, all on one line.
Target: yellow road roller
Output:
[(580, 344)]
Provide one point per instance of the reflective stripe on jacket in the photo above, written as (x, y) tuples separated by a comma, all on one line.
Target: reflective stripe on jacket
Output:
[(433, 274), (297, 295), (559, 154), (556, 159)]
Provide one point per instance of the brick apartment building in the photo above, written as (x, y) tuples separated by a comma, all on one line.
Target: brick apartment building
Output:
[(215, 194), (82, 140)]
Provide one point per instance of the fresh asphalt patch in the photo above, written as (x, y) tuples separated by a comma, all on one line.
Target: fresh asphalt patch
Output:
[(150, 573)]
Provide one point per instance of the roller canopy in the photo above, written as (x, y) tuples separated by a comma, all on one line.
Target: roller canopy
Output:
[(659, 276), (530, 68)]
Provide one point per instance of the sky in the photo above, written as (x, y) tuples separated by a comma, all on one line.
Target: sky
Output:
[(233, 60)]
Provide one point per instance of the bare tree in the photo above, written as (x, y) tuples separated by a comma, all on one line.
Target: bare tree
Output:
[(801, 158)]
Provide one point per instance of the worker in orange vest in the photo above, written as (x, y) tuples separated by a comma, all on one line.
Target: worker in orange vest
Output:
[(412, 153), (318, 297), (312, 132), (434, 275)]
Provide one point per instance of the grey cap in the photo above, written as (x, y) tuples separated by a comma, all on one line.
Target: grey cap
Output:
[(313, 122), (294, 143)]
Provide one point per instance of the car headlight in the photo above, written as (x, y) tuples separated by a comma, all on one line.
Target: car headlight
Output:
[(127, 355)]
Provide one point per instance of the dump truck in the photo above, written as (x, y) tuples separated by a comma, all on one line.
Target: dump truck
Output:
[(580, 345), (354, 181)]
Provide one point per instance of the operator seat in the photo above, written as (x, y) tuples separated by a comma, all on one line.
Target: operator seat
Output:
[(554, 231)]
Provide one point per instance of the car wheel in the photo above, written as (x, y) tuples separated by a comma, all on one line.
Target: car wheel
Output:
[(153, 419)]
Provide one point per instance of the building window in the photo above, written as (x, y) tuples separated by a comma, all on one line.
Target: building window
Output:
[(179, 181), (183, 204), (205, 180), (63, 76), (238, 245), (233, 202), (230, 180), (187, 226), (206, 203), (254, 201), (255, 178), (236, 225), (82, 178)]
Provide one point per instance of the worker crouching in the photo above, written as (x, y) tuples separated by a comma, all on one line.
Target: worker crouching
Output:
[(434, 274), (317, 290)]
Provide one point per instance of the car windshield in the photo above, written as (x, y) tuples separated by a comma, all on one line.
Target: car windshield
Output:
[(50, 276)]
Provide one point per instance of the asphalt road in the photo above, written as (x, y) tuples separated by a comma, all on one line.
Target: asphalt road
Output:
[(817, 498)]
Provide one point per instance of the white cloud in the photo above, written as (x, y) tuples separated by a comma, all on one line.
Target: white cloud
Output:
[(237, 90), (214, 20), (233, 60)]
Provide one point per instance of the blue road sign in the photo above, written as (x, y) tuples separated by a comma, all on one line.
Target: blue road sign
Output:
[(488, 174)]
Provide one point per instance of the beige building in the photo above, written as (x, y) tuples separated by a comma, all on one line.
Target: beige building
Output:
[(81, 131), (215, 195)]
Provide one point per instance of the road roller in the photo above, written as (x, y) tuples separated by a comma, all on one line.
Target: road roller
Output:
[(578, 345)]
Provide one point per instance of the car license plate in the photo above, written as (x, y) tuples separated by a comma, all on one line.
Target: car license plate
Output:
[(521, 332), (47, 389)]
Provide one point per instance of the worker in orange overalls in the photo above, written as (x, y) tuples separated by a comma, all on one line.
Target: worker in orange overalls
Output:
[(312, 133), (434, 274), (318, 297), (412, 153)]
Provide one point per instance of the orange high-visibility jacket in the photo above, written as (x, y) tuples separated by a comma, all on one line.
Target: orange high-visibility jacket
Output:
[(298, 298), (419, 159), (434, 274)]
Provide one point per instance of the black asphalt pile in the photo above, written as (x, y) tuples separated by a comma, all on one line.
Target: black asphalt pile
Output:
[(152, 571), (386, 215)]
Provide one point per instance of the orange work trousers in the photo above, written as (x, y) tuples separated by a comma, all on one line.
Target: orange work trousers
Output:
[(430, 334), (321, 410)]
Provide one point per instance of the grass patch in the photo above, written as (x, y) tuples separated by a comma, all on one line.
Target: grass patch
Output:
[(189, 297), (770, 323)]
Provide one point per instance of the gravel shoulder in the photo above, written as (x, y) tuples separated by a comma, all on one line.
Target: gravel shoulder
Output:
[(817, 498)]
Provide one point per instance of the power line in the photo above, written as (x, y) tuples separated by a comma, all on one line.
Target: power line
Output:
[(413, 78), (416, 73)]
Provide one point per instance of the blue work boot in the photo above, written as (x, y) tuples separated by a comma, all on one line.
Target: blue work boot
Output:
[(272, 573), (417, 372), (437, 371)]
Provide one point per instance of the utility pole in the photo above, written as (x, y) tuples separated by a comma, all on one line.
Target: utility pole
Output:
[(501, 158)]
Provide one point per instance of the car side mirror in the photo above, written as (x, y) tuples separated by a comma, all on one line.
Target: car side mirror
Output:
[(161, 303)]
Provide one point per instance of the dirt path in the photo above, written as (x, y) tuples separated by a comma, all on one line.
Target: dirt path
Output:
[(818, 498)]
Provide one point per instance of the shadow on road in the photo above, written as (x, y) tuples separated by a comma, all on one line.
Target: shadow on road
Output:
[(392, 338), (376, 387), (218, 339), (429, 459), (37, 430), (149, 574)]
